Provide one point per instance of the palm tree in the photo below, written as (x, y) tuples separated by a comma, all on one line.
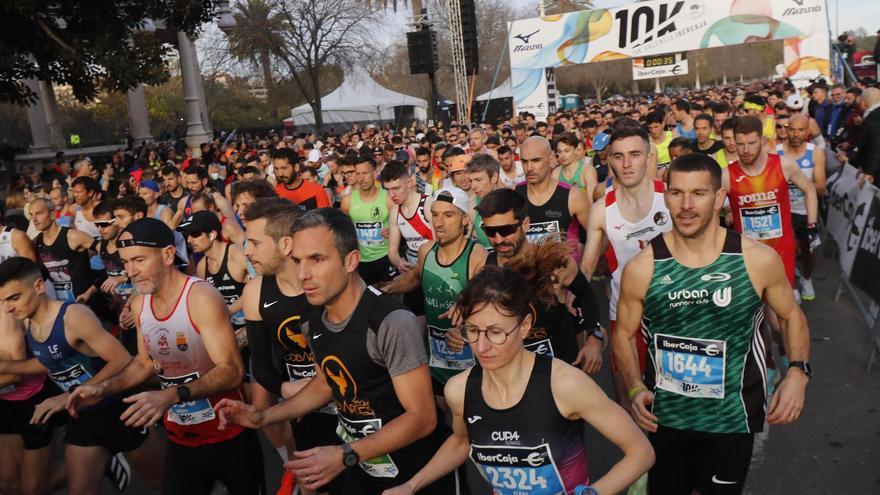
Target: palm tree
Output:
[(253, 40)]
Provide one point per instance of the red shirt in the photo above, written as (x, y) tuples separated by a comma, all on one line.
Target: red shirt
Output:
[(307, 195)]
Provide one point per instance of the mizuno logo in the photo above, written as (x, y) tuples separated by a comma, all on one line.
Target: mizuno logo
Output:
[(473, 419), (267, 304), (525, 37)]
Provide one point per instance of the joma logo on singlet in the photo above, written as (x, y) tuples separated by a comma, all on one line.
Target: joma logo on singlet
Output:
[(758, 196)]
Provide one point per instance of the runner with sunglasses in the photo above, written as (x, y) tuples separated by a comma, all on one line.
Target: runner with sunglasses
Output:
[(519, 416), (444, 267)]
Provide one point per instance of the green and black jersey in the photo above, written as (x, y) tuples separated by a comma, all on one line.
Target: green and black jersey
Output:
[(702, 326)]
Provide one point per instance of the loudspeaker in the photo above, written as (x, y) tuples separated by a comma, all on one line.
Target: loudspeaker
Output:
[(422, 47), (469, 34)]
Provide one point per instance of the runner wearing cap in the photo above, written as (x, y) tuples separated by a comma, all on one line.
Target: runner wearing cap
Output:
[(148, 190), (369, 206), (555, 209), (68, 342), (444, 266), (130, 208), (456, 161), (186, 339)]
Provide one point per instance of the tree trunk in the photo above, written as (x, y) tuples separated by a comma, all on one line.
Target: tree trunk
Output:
[(269, 83), (316, 106)]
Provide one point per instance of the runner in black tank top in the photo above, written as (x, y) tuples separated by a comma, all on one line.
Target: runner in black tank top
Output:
[(68, 269), (282, 354), (552, 217), (227, 286)]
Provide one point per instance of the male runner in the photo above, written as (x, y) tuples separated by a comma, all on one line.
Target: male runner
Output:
[(511, 169), (230, 229), (424, 172), (245, 193), (696, 294), (14, 242), (186, 339), (174, 191), (727, 155), (86, 194), (573, 168), (275, 308), (196, 180), (812, 164), (370, 357), (148, 190), (757, 187), (307, 195), (64, 253), (444, 266), (130, 208), (117, 285), (704, 143), (411, 226), (67, 341), (368, 206), (631, 214), (483, 172), (554, 207)]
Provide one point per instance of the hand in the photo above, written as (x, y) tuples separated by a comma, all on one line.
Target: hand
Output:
[(289, 389), (84, 396), (787, 402), (590, 356), (403, 489), (813, 237), (454, 315), (640, 412), (841, 156), (237, 412), (126, 319), (454, 340), (403, 266), (44, 410), (316, 467), (82, 298), (110, 284), (148, 408), (385, 233)]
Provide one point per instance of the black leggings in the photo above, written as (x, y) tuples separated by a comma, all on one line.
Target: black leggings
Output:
[(710, 463)]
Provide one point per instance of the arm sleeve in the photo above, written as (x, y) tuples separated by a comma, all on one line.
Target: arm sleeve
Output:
[(585, 303), (399, 344), (261, 357)]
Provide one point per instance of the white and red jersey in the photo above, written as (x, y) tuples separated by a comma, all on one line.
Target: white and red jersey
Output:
[(415, 230), (626, 239), (176, 343)]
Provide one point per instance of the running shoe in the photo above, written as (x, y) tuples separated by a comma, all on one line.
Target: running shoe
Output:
[(797, 295), (118, 472), (807, 291), (288, 483)]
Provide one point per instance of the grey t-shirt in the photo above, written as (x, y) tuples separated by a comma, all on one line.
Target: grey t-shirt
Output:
[(398, 345)]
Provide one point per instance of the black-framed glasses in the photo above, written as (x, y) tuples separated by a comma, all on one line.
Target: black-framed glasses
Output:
[(502, 230), (497, 336), (103, 224)]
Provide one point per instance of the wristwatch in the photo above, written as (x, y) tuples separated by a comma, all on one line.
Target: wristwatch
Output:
[(350, 458), (183, 393), (803, 366)]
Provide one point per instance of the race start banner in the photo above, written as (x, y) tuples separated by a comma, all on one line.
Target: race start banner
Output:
[(663, 26), (668, 65)]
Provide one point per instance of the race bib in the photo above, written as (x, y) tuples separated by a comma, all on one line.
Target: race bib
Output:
[(64, 291), (518, 470), (538, 231), (690, 367), (300, 371), (369, 233), (442, 356), (74, 376), (350, 430), (238, 319), (187, 413), (761, 222), (542, 347)]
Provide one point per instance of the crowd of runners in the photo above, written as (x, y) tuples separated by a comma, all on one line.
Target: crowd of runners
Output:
[(385, 305)]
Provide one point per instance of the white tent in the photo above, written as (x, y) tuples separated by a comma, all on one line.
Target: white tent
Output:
[(504, 90), (360, 99)]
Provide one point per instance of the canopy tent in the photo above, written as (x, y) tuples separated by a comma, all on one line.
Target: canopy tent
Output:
[(503, 90), (361, 99)]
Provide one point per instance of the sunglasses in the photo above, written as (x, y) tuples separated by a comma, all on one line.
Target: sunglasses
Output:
[(502, 230), (782, 126), (194, 234), (103, 224)]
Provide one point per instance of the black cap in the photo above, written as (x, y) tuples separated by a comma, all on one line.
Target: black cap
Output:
[(148, 232), (202, 222)]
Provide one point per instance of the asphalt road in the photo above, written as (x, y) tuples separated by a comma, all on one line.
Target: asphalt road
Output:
[(833, 448)]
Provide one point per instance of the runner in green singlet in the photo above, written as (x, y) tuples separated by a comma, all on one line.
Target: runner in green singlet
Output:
[(444, 267), (368, 206), (573, 167), (696, 294), (483, 171)]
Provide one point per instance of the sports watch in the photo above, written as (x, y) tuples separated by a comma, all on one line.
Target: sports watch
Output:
[(803, 366), (183, 393), (350, 458)]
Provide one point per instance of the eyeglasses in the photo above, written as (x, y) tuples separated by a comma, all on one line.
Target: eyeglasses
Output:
[(103, 224), (502, 230), (494, 335)]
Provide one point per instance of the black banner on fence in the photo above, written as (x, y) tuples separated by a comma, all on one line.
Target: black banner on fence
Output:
[(866, 264)]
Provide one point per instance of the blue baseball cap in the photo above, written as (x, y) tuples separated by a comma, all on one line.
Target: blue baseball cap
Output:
[(601, 141), (150, 184)]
